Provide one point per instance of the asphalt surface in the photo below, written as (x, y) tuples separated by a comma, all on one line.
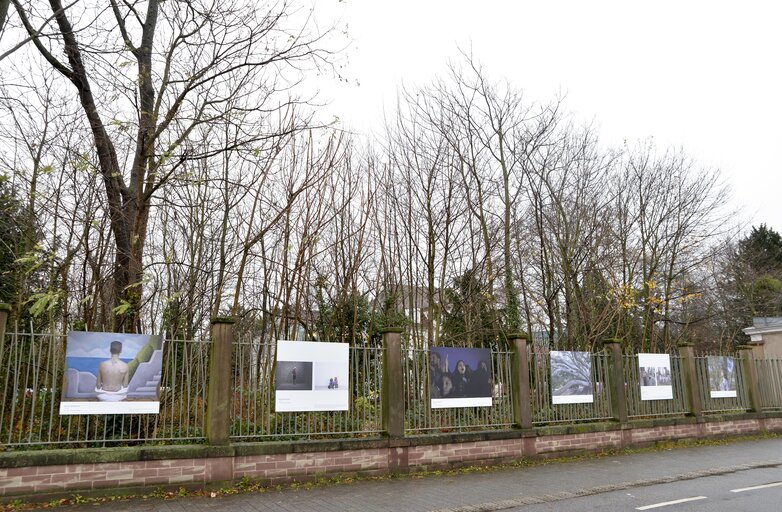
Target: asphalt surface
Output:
[(622, 482)]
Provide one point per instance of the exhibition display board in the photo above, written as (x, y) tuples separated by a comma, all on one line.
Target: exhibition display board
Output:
[(655, 374), (722, 377), (571, 377), (112, 373), (311, 376), (460, 377)]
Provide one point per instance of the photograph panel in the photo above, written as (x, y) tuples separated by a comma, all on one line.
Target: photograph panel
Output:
[(460, 377), (655, 376), (571, 377), (722, 377), (322, 376), (112, 373)]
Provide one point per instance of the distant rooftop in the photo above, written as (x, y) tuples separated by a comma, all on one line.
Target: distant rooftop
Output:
[(767, 321), (763, 325)]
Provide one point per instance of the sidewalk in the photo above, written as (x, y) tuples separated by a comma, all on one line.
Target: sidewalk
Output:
[(487, 490)]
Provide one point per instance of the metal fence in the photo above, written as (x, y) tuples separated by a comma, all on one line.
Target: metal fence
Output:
[(637, 408), (545, 412), (254, 416), (769, 373), (32, 367), (709, 386), (31, 377), (420, 417)]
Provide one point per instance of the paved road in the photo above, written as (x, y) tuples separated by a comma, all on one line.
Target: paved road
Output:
[(623, 482), (758, 489)]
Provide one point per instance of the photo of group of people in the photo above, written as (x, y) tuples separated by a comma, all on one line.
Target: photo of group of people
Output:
[(310, 376), (722, 377), (651, 376), (655, 375), (571, 377), (460, 377), (112, 373)]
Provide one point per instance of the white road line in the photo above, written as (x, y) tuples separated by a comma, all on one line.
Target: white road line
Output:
[(675, 502), (756, 487)]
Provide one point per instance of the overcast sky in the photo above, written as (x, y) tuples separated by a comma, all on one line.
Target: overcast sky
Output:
[(702, 75)]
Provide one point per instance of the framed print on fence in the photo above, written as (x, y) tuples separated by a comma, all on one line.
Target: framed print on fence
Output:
[(311, 376), (112, 373), (460, 377), (655, 375)]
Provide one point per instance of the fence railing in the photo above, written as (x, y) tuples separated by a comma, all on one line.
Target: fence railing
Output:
[(545, 412), (31, 376), (637, 408), (32, 367), (769, 372), (706, 385), (420, 417), (253, 416)]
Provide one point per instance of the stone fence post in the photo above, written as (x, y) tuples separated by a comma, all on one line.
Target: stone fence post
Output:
[(218, 395), (690, 378), (519, 379), (750, 377), (393, 397), (616, 378)]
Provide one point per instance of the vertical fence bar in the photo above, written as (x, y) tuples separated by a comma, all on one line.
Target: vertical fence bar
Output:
[(519, 378), (4, 310), (393, 397), (218, 396), (690, 378), (613, 348), (750, 376)]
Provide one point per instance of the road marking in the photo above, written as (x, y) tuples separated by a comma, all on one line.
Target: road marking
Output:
[(756, 487), (675, 502)]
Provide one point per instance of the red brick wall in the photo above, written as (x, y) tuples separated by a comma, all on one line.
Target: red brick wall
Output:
[(289, 466), (578, 442), (650, 435), (473, 452)]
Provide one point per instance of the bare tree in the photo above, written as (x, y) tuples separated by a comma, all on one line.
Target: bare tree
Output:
[(192, 61)]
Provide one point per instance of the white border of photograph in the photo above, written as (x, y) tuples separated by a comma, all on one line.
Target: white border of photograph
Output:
[(445, 403), (572, 399), (655, 361), (732, 380), (328, 359)]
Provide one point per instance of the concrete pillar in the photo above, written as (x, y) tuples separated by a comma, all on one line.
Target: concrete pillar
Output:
[(519, 379), (691, 382), (218, 395), (393, 383), (613, 348), (750, 377)]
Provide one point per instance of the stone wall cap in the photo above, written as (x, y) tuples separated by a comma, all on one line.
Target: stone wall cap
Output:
[(520, 335), (223, 320), (4, 306), (397, 330), (609, 341)]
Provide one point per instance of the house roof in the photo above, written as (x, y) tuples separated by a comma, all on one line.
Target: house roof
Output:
[(763, 325)]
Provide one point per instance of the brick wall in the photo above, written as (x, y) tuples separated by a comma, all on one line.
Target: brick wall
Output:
[(291, 465), (578, 442), (642, 436), (383, 457), (436, 455)]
